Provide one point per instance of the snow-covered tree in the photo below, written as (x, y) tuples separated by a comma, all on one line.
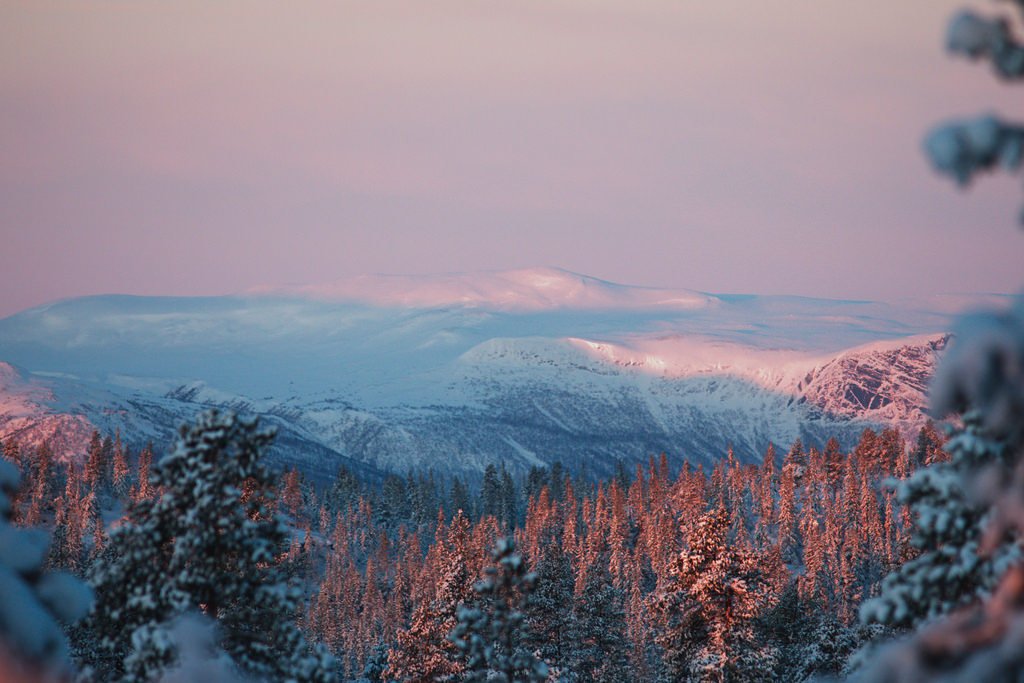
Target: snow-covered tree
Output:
[(492, 632), (208, 544), (119, 468), (41, 483), (949, 569), (70, 521), (599, 648), (291, 493), (33, 603), (142, 487), (970, 510), (423, 653), (708, 608), (549, 614), (964, 148)]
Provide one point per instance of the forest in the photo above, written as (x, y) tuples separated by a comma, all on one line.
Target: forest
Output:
[(663, 573)]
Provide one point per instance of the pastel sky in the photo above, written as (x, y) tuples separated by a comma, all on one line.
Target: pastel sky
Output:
[(764, 147)]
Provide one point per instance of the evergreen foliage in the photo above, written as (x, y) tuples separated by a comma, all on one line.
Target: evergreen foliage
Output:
[(599, 649), (34, 603), (386, 581), (208, 543), (491, 633), (717, 590)]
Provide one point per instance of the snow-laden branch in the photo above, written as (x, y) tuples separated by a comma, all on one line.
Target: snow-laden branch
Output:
[(984, 371), (979, 37), (964, 148)]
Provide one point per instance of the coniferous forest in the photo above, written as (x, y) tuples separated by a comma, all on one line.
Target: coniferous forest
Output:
[(746, 572)]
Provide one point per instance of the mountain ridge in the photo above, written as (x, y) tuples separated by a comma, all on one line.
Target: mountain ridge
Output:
[(522, 289), (455, 385)]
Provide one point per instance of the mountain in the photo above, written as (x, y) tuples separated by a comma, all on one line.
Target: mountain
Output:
[(528, 289), (452, 372)]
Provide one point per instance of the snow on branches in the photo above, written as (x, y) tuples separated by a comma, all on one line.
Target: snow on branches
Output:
[(490, 634), (962, 149), (33, 603), (207, 543), (976, 36)]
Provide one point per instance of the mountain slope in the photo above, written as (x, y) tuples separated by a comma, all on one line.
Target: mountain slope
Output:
[(453, 372)]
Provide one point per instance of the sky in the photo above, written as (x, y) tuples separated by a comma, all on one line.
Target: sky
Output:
[(769, 147)]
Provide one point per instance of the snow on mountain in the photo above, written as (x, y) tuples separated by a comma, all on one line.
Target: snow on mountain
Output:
[(528, 289), (453, 372), (887, 381), (29, 415)]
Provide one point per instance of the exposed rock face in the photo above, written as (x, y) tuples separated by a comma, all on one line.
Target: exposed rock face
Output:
[(889, 384)]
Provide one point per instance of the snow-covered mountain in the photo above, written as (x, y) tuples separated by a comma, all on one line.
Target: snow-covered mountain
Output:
[(452, 372), (528, 289)]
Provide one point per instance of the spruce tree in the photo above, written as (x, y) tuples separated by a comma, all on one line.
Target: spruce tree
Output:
[(119, 469), (344, 490), (458, 499), (143, 488), (491, 633), (709, 606), (490, 493), (96, 464), (948, 570), (423, 653), (41, 485), (208, 543), (599, 649), (969, 519), (549, 613), (291, 493)]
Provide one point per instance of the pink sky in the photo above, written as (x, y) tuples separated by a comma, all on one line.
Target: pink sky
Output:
[(765, 147)]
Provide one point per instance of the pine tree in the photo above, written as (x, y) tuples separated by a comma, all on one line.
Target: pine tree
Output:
[(929, 447), (12, 454), (490, 493), (207, 543), (814, 553), (766, 498), (43, 482), (788, 626), (787, 517), (969, 523), (344, 490), (828, 646), (67, 551), (834, 464), (949, 570), (509, 509), (394, 506), (96, 464), (459, 499), (558, 481), (536, 479)]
